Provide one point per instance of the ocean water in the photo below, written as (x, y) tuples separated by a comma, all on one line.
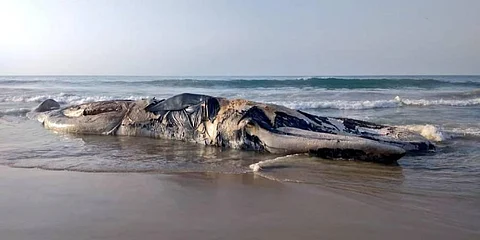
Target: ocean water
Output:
[(446, 109)]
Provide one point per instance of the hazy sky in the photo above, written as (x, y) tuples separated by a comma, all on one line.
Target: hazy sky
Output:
[(257, 37)]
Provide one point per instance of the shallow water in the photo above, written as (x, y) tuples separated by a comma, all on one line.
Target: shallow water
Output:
[(446, 109)]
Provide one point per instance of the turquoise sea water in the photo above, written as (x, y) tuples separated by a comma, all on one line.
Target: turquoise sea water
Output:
[(445, 109)]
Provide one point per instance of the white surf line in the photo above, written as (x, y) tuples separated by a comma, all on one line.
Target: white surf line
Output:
[(260, 174), (257, 167)]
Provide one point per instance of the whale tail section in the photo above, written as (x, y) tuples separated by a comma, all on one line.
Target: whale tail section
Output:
[(47, 105)]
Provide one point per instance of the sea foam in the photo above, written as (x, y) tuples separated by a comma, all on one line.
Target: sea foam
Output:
[(438, 102), (65, 98), (430, 132), (439, 133), (371, 104)]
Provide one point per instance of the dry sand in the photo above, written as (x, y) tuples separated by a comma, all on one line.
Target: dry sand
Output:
[(38, 204)]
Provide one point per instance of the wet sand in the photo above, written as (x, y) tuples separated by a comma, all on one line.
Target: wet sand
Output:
[(38, 204)]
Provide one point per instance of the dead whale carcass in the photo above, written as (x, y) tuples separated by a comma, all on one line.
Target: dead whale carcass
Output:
[(239, 124)]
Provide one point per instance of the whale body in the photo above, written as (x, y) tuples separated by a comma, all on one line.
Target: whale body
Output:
[(239, 124)]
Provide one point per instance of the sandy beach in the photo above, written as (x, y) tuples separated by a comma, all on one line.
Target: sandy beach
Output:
[(237, 120), (39, 204)]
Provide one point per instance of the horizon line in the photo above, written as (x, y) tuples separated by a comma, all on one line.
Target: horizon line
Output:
[(248, 75)]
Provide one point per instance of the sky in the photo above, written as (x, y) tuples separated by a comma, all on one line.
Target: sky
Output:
[(239, 37)]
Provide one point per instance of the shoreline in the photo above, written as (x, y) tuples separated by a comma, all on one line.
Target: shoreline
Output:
[(41, 204)]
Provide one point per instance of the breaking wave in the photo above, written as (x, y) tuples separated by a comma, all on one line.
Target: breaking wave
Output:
[(463, 132), (398, 82), (64, 98), (439, 102), (366, 104), (339, 104), (14, 112)]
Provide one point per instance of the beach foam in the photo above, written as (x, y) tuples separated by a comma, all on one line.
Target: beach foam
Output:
[(438, 133), (257, 167), (430, 132)]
